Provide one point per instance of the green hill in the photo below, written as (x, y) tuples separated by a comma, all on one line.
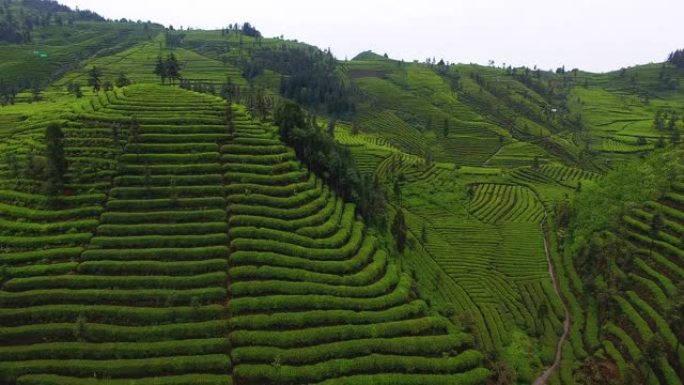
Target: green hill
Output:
[(500, 225)]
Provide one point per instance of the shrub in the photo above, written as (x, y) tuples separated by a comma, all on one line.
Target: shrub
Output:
[(328, 317), (157, 254), (344, 251), (259, 374), (160, 241), (128, 315), (163, 217), (382, 286), (345, 266), (104, 351), (164, 204), (406, 346), (141, 268), (272, 180), (299, 212), (281, 191), (163, 229), (319, 335), (40, 255), (119, 282), (123, 368), (321, 302), (186, 379), (369, 273), (331, 207), (140, 297)]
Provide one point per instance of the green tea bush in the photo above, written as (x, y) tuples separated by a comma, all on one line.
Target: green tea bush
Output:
[(321, 302), (157, 254), (119, 282), (163, 217), (160, 241), (163, 229), (325, 334), (121, 315), (164, 204), (250, 288)]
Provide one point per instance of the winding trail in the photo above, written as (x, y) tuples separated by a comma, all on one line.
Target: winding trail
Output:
[(544, 377)]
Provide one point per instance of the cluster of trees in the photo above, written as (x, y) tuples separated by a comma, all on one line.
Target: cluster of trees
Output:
[(676, 58), (309, 76), (168, 69), (8, 92), (599, 243), (49, 166), (13, 30), (312, 79), (74, 88), (17, 28), (247, 29), (56, 162), (250, 30), (331, 161), (51, 7), (666, 120), (601, 206), (173, 40)]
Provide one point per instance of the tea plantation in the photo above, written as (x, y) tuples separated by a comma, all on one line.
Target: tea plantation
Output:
[(188, 254), (193, 207)]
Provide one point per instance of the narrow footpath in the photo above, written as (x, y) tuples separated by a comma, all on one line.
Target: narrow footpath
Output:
[(544, 377)]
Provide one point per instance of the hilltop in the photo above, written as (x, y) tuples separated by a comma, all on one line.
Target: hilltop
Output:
[(219, 207)]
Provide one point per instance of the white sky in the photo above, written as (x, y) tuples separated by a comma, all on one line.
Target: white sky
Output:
[(594, 35)]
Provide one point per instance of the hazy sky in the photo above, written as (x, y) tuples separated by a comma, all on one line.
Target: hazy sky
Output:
[(596, 35)]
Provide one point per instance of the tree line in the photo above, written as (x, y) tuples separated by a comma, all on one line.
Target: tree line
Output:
[(168, 68), (17, 27), (330, 161), (309, 76), (676, 58)]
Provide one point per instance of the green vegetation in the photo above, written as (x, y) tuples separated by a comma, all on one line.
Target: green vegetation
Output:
[(628, 257), (219, 207)]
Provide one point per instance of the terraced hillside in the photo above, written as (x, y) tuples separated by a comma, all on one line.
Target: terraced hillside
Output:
[(314, 298), (206, 256), (636, 319), (479, 247), (509, 203), (144, 298)]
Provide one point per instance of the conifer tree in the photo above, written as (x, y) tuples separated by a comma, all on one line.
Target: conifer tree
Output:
[(399, 230), (95, 79), (56, 160)]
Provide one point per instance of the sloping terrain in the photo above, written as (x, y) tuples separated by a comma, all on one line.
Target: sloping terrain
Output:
[(188, 245), (205, 255)]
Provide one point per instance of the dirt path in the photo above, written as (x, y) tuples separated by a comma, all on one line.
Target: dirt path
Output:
[(486, 162), (544, 377)]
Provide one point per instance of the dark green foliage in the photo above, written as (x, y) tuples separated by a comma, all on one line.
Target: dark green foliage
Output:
[(329, 160), (56, 160), (173, 40), (676, 58), (8, 92), (75, 89), (249, 30), (399, 230), (95, 79), (168, 69), (122, 80), (310, 77)]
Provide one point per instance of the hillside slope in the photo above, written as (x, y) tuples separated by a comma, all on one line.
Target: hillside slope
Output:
[(197, 262)]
